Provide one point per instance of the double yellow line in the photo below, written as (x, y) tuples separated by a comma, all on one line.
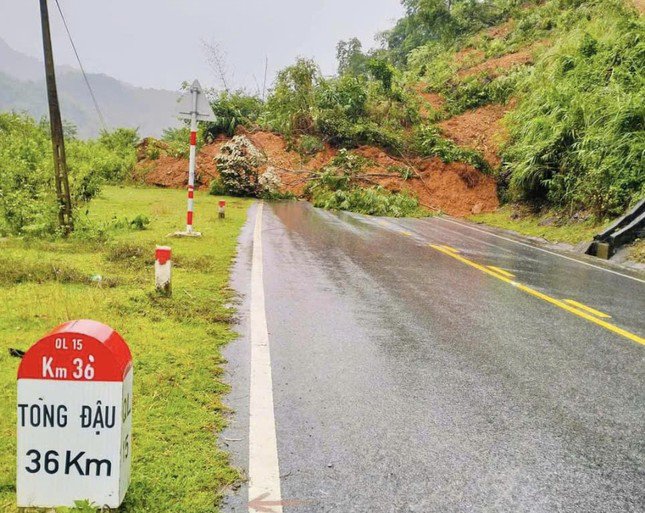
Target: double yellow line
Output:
[(569, 305)]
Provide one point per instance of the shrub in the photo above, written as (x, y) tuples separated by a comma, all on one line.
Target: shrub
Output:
[(178, 140), (338, 187), (238, 164), (217, 187), (430, 143), (28, 203), (231, 111), (309, 145)]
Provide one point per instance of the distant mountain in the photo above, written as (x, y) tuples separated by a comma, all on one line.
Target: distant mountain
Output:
[(22, 88)]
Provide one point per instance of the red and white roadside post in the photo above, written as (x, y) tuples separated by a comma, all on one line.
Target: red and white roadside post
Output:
[(222, 209), (193, 107), (192, 163), (163, 270), (75, 418)]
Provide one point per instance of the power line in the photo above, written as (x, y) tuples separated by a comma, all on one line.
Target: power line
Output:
[(78, 59)]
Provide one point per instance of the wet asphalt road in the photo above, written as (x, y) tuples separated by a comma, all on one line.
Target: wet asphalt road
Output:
[(407, 381)]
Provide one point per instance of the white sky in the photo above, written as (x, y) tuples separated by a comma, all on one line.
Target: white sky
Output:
[(157, 43)]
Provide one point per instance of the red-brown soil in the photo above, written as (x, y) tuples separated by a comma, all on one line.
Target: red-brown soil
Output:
[(501, 31), (435, 100), (168, 171), (494, 67), (480, 129), (640, 5)]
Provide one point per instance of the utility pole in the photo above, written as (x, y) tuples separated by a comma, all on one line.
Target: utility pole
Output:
[(58, 143)]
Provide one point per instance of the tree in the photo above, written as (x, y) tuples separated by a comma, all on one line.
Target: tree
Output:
[(350, 56), (290, 104)]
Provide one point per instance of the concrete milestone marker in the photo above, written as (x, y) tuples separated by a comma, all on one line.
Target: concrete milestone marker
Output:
[(75, 418)]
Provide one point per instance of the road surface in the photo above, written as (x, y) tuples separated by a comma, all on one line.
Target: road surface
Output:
[(430, 365)]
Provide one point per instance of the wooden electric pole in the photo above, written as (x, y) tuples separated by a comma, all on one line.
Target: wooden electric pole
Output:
[(58, 143)]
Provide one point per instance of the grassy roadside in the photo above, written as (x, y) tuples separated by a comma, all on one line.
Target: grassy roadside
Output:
[(637, 251), (544, 226), (175, 342)]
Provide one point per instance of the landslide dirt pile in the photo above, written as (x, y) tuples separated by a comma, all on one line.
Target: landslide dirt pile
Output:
[(457, 189)]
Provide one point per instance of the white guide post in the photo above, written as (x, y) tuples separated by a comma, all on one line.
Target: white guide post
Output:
[(193, 107), (191, 167)]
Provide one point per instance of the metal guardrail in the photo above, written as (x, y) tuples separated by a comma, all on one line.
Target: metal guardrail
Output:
[(622, 231)]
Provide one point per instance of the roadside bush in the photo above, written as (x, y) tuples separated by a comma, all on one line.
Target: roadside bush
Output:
[(28, 203), (375, 201), (339, 187)]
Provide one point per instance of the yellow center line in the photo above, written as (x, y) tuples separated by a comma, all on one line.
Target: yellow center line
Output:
[(592, 311), (407, 234), (560, 304), (501, 271)]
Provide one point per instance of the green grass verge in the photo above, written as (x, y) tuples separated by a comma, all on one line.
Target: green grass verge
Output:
[(637, 251), (175, 342), (545, 225)]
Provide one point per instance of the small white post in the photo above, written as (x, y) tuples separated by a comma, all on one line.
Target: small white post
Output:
[(163, 270)]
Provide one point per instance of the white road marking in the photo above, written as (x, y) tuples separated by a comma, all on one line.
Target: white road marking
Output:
[(264, 471), (541, 249)]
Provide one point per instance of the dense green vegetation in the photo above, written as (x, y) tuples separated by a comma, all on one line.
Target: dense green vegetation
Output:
[(28, 203), (578, 136), (175, 341), (340, 187)]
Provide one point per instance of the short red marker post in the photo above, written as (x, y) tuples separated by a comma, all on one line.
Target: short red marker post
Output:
[(222, 209), (163, 270), (75, 418)]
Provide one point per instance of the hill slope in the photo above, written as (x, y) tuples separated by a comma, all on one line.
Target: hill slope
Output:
[(22, 88)]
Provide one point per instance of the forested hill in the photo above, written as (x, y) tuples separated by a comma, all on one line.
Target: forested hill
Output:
[(547, 96), (22, 88)]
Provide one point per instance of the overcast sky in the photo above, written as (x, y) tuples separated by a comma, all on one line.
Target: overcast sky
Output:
[(158, 43)]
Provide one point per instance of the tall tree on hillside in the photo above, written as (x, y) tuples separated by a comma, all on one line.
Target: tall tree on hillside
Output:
[(350, 56)]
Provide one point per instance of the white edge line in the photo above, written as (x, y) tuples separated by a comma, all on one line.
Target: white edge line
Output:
[(264, 470), (541, 249)]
